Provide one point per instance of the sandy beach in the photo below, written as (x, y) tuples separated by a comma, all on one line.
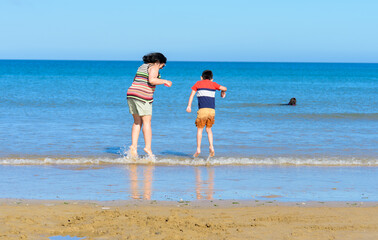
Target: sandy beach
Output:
[(41, 219)]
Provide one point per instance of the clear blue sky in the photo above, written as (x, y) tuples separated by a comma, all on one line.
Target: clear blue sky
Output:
[(195, 30)]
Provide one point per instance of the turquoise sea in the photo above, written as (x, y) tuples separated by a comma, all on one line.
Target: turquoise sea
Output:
[(76, 111), (65, 114)]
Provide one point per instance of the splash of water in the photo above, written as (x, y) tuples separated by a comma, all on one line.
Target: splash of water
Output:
[(125, 152)]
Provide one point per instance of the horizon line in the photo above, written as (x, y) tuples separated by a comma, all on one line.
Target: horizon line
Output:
[(106, 60)]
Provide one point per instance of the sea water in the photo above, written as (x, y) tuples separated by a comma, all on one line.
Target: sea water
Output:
[(65, 131), (75, 112)]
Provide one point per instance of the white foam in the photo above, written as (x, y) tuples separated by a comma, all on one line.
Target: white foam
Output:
[(214, 161)]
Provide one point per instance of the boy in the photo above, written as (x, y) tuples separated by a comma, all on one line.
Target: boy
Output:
[(206, 103)]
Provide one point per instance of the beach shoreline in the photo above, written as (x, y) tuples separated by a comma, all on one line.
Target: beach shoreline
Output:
[(203, 219)]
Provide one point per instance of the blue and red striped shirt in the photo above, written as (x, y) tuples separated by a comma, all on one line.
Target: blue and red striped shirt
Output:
[(206, 93)]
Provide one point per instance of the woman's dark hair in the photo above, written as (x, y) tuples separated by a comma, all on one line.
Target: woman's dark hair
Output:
[(207, 74), (154, 57)]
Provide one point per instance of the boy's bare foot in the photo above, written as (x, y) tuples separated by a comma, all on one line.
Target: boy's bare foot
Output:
[(196, 154), (149, 152), (133, 152), (212, 152)]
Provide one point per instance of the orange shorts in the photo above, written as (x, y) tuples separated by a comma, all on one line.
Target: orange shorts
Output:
[(205, 117)]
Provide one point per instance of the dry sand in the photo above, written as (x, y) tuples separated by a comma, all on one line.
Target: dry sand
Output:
[(29, 219)]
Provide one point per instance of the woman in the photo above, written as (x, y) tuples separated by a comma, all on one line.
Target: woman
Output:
[(140, 98)]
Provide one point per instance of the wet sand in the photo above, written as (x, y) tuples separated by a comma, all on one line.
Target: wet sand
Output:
[(133, 219), (172, 183)]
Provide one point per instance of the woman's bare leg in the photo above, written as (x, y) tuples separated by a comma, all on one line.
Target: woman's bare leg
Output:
[(135, 130), (147, 133)]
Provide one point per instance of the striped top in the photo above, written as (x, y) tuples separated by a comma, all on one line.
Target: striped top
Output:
[(206, 93), (141, 89)]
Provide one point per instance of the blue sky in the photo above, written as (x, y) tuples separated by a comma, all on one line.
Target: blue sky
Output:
[(239, 30)]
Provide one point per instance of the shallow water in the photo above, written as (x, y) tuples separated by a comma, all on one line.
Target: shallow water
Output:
[(65, 238), (77, 110), (188, 183)]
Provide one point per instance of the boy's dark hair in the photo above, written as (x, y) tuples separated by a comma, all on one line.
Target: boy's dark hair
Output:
[(207, 74), (154, 57)]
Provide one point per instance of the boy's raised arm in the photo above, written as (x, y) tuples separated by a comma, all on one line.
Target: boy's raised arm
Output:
[(189, 108)]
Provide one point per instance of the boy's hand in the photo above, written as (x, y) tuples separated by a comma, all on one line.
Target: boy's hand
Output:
[(223, 94), (168, 83), (189, 109)]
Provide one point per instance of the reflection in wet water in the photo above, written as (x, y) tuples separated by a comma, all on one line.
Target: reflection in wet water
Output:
[(147, 181), (141, 178), (173, 183), (204, 186)]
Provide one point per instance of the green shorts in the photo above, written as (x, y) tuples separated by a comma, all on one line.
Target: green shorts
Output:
[(138, 107)]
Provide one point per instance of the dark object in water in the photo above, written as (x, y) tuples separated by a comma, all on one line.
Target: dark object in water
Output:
[(292, 102)]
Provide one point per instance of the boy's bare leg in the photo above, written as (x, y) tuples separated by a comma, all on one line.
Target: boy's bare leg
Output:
[(135, 130), (210, 137), (199, 138), (147, 133)]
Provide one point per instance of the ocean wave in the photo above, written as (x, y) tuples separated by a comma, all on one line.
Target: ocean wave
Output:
[(187, 161)]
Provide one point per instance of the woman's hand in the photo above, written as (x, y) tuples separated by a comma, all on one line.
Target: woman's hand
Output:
[(189, 109), (167, 83)]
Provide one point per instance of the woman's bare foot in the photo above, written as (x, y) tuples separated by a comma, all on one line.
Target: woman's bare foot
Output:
[(197, 153), (133, 152), (212, 152), (149, 152)]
